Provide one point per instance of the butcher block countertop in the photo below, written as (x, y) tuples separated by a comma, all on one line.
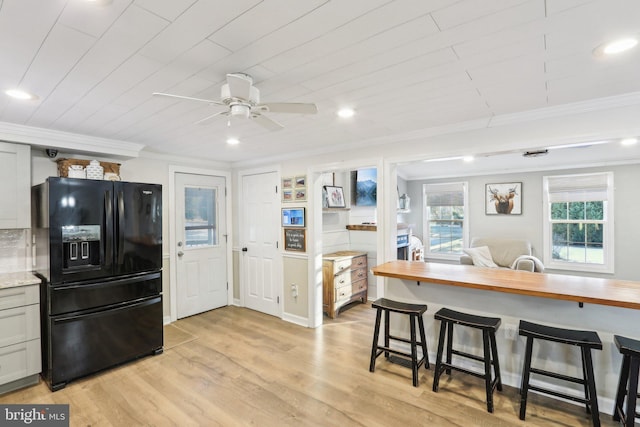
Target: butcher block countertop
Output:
[(611, 292), (21, 278)]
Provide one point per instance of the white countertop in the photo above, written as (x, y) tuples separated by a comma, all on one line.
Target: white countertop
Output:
[(21, 278)]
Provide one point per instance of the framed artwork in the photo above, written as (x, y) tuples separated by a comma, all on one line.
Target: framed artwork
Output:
[(366, 185), (295, 239), (287, 195), (293, 217), (335, 197), (301, 181), (287, 183), (503, 198), (300, 194)]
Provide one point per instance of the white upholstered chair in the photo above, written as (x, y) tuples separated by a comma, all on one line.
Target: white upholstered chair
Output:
[(505, 253)]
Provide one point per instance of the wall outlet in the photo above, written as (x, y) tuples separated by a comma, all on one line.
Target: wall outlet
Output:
[(294, 290)]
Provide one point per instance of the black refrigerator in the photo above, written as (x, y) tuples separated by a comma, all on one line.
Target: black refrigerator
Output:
[(98, 249)]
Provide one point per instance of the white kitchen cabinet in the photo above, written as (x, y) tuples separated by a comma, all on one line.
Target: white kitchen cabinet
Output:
[(20, 354), (15, 183)]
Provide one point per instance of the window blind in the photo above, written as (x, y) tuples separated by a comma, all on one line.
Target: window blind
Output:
[(451, 194), (579, 188)]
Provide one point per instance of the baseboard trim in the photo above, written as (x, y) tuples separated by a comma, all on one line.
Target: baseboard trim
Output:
[(298, 320)]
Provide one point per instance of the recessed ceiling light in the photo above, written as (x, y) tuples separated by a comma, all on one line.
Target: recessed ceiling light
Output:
[(616, 46), (443, 159), (629, 141), (20, 94), (578, 145), (468, 159), (233, 141), (345, 113)]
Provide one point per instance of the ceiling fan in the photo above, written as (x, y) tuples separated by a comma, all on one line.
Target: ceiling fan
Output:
[(243, 101)]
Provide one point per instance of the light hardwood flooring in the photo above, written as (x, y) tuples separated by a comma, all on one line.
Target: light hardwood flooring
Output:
[(237, 367)]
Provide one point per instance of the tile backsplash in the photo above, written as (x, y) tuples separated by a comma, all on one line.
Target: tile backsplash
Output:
[(13, 250)]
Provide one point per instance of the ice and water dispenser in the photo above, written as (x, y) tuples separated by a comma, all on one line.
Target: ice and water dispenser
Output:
[(80, 246)]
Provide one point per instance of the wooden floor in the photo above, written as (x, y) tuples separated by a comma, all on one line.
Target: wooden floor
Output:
[(237, 367)]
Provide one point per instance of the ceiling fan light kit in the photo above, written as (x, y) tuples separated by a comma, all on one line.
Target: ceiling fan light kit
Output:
[(243, 100)]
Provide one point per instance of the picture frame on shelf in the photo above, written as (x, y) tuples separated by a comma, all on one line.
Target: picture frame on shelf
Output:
[(335, 197), (503, 198)]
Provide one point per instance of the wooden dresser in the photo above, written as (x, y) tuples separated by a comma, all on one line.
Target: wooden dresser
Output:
[(344, 280)]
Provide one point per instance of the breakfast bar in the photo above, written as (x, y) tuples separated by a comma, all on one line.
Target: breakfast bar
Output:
[(608, 306), (618, 293)]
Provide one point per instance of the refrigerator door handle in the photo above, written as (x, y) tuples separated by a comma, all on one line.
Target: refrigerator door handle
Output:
[(108, 225), (120, 224)]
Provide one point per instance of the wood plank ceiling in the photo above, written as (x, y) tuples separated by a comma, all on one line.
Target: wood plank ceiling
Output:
[(404, 65)]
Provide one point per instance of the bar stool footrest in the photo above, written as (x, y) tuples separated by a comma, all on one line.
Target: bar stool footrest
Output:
[(402, 361), (557, 376), (559, 394), (467, 355)]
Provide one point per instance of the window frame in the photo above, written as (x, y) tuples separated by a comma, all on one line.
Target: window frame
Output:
[(608, 243), (433, 188), (212, 228)]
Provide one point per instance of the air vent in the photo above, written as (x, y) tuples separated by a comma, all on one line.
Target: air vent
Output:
[(536, 153)]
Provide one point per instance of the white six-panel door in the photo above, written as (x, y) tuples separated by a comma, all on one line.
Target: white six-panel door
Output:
[(260, 235)]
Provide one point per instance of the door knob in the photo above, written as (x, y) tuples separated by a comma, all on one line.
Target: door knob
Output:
[(180, 253)]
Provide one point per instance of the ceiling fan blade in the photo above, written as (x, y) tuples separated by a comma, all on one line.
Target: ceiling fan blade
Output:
[(209, 118), (188, 98), (239, 86), (266, 122), (288, 107)]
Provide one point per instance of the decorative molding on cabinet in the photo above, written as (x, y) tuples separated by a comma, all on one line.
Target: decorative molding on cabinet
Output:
[(47, 138)]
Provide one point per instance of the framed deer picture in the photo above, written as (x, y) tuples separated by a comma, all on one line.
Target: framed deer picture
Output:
[(503, 198)]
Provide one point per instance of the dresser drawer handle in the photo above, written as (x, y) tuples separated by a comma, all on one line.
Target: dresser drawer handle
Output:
[(342, 281)]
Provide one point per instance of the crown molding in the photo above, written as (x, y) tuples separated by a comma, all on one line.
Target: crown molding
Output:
[(575, 108), (68, 141)]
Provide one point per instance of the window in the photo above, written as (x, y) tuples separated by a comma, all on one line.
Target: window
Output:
[(200, 217), (578, 222), (445, 219)]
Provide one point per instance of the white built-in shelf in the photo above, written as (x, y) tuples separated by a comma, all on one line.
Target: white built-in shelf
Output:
[(328, 210), (404, 211)]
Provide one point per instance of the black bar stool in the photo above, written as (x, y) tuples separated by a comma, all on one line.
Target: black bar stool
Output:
[(586, 340), (628, 384), (410, 360), (489, 326)]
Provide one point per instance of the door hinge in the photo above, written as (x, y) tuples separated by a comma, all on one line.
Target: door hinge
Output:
[(276, 189), (278, 298), (276, 245), (227, 285), (225, 191)]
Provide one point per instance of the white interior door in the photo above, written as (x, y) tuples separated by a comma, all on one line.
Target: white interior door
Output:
[(261, 232), (201, 264)]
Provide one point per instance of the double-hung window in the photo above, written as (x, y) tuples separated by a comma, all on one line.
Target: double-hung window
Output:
[(578, 222), (445, 220)]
